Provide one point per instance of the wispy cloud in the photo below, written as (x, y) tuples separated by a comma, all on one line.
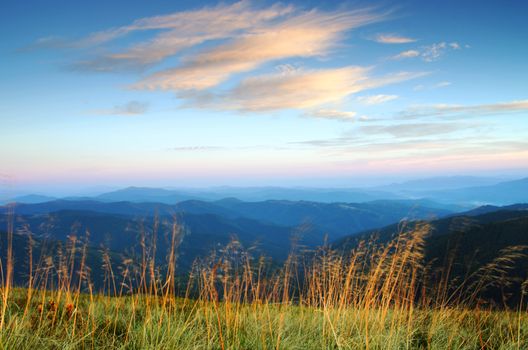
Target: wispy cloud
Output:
[(376, 99), (445, 110), (196, 148), (429, 53), (130, 108), (300, 89), (435, 51), (304, 34), (413, 130), (442, 84), (179, 31), (439, 85), (406, 54), (332, 114), (393, 39), (216, 44)]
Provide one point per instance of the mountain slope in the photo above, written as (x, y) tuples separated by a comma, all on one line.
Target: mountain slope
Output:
[(201, 233), (334, 219), (503, 193), (463, 249)]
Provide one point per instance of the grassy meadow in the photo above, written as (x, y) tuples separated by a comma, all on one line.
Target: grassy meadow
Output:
[(377, 296)]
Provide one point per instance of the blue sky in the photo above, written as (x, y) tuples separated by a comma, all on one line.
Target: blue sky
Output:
[(165, 93)]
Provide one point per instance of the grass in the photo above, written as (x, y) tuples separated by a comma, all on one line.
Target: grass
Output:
[(140, 323), (374, 297)]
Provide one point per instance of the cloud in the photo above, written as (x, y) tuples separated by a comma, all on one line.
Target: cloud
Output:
[(376, 99), (442, 84), (130, 108), (196, 148), (393, 39), (332, 114), (435, 51), (299, 89), (438, 85), (178, 31), (445, 110), (406, 54), (412, 130), (306, 34), (259, 34), (218, 44), (429, 53)]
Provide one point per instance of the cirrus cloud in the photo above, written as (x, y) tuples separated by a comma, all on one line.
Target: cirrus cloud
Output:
[(307, 34), (299, 89), (218, 44), (393, 39), (448, 110), (429, 53), (129, 108), (376, 99)]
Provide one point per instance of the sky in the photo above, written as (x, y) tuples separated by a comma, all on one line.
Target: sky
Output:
[(309, 93)]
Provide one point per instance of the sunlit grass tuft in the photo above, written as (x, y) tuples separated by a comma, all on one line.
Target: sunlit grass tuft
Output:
[(377, 296)]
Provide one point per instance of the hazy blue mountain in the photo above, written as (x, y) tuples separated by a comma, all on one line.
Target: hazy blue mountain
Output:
[(146, 194), (30, 198), (455, 193), (464, 191), (459, 246), (253, 194), (325, 195), (447, 225), (121, 208), (48, 247), (439, 183), (201, 233), (493, 208), (503, 193), (335, 219)]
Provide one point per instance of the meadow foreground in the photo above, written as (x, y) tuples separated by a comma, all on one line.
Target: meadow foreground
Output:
[(140, 322), (375, 296)]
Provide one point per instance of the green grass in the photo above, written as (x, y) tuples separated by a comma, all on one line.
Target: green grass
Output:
[(141, 322), (376, 297)]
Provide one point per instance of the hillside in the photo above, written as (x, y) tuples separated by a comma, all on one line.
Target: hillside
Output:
[(335, 219), (200, 233), (503, 193), (462, 246)]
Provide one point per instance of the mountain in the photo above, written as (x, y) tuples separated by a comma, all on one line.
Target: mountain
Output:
[(201, 233), (334, 219), (145, 194), (324, 195), (45, 250), (121, 208), (468, 250), (444, 226), (503, 193), (493, 208), (438, 183), (464, 191), (254, 194), (30, 199)]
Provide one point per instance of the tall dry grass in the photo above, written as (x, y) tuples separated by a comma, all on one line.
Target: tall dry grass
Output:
[(377, 296)]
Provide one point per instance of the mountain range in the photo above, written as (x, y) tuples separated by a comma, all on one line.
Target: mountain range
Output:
[(459, 192)]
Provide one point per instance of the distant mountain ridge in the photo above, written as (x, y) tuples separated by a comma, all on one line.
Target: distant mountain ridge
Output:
[(440, 183), (459, 249), (503, 193), (454, 193), (444, 226), (335, 219), (251, 194)]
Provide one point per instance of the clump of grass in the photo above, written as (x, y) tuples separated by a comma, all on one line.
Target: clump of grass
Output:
[(377, 296)]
